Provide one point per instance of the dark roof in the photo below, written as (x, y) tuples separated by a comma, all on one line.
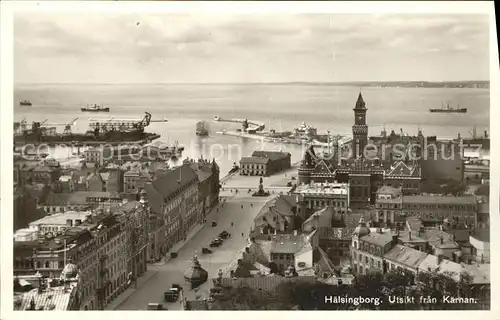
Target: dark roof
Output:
[(258, 160), (461, 235), (272, 155), (377, 238), (57, 199), (440, 199), (174, 180), (197, 305), (406, 256), (360, 103), (482, 234)]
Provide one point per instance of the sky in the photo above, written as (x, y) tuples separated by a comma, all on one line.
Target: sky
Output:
[(216, 48)]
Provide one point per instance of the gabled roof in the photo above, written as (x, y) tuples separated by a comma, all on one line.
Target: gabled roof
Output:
[(280, 205), (322, 167), (406, 256), (399, 168), (431, 264), (377, 238), (174, 180)]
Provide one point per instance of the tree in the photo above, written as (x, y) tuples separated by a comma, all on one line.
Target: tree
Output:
[(244, 298)]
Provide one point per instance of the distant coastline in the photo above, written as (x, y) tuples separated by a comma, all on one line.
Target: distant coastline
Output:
[(376, 84)]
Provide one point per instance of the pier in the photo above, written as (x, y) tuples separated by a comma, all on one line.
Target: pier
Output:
[(258, 126)]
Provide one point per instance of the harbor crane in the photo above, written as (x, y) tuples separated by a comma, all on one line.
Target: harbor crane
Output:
[(119, 124)]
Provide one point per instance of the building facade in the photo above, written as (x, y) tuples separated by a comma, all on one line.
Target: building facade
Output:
[(265, 163), (316, 195), (109, 250), (173, 199)]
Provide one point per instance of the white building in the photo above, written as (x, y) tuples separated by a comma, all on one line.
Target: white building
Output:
[(59, 222)]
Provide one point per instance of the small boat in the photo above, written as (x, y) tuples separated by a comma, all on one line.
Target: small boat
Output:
[(449, 109), (25, 103), (95, 108), (217, 118), (201, 130)]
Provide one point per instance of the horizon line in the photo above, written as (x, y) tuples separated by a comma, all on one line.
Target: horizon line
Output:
[(256, 83)]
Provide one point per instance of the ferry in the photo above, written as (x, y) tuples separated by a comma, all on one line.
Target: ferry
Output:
[(25, 103)]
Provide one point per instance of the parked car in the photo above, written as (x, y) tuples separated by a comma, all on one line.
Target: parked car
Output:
[(224, 234), (177, 286), (172, 295), (206, 251), (173, 255), (214, 244), (155, 306), (214, 224)]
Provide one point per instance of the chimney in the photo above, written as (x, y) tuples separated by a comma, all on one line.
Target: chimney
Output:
[(409, 235), (69, 222), (442, 240), (395, 238)]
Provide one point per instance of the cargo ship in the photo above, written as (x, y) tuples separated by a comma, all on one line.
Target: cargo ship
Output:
[(95, 108), (201, 129), (101, 131), (25, 103), (449, 109)]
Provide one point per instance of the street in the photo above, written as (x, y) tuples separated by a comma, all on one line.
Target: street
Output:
[(173, 271)]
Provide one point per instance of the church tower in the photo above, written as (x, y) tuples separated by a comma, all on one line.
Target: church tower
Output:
[(359, 129)]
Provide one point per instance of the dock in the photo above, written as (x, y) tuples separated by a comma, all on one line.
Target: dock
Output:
[(258, 126)]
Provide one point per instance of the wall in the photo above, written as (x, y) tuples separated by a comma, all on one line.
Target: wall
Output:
[(481, 248), (306, 257)]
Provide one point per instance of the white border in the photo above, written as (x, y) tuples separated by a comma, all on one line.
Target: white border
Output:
[(9, 7)]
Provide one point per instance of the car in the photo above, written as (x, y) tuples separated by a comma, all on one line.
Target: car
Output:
[(215, 244), (206, 251), (155, 306), (224, 234), (214, 224), (177, 286), (172, 295)]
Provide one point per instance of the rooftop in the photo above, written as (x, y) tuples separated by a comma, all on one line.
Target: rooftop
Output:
[(258, 160), (272, 155), (446, 267), (60, 218), (379, 239), (481, 234), (323, 188), (389, 190), (481, 273), (406, 256), (54, 298), (287, 243), (423, 199)]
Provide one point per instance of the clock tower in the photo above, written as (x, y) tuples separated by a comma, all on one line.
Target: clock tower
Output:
[(359, 129)]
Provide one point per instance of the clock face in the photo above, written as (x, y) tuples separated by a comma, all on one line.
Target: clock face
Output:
[(360, 118)]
